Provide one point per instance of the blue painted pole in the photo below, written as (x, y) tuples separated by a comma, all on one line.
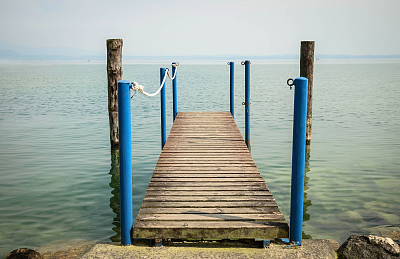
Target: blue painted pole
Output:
[(247, 102), (174, 92), (232, 87), (298, 159), (163, 110), (125, 161)]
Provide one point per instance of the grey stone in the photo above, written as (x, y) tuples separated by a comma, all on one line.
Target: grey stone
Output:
[(368, 246)]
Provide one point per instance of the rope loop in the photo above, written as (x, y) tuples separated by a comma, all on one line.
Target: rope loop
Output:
[(140, 88)]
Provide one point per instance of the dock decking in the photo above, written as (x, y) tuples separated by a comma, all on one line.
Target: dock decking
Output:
[(207, 186)]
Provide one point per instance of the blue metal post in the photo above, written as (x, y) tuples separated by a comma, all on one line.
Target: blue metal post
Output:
[(247, 102), (232, 87), (163, 110), (298, 159), (125, 161), (174, 92)]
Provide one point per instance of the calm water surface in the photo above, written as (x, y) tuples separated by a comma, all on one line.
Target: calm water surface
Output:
[(59, 178)]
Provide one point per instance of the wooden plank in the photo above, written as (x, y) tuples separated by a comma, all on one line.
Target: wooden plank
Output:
[(210, 217), (206, 188), (206, 162), (241, 151), (208, 224), (196, 199), (207, 184), (206, 152), (198, 135), (256, 210), (202, 175), (208, 138), (200, 144), (209, 193), (198, 179), (177, 171), (209, 204), (208, 167), (201, 159), (210, 230), (204, 155), (205, 167)]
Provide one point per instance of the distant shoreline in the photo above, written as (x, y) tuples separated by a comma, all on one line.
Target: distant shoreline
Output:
[(186, 61)]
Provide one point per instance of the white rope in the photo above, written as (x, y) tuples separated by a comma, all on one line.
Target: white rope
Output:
[(172, 78), (140, 88)]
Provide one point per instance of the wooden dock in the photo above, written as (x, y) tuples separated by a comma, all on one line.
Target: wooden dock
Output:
[(207, 186)]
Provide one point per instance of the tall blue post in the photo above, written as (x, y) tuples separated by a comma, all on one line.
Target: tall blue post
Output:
[(125, 161), (174, 92), (232, 87), (163, 110), (247, 102), (298, 159)]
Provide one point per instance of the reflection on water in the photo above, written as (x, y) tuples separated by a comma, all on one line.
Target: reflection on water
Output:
[(114, 200), (306, 203)]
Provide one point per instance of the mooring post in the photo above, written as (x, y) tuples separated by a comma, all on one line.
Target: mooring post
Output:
[(247, 102), (125, 161), (174, 92), (232, 87), (114, 74), (163, 109), (307, 71), (298, 159)]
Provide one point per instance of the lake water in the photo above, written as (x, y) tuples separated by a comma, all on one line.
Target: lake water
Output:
[(59, 178)]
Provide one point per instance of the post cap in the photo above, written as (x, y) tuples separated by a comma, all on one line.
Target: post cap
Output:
[(301, 79), (123, 82)]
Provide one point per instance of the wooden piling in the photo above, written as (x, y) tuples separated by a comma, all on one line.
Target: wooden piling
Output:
[(307, 70), (114, 74)]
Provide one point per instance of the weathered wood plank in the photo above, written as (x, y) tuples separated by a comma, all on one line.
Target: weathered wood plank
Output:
[(202, 175), (198, 179), (256, 210), (204, 155), (177, 171), (206, 152), (196, 199), (201, 159), (210, 230), (212, 167), (199, 144), (210, 217), (209, 193), (206, 164), (231, 184), (209, 204), (206, 188)]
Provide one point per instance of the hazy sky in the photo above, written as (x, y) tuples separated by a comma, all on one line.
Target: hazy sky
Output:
[(186, 27)]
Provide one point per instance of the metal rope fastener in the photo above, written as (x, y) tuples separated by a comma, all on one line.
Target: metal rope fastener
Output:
[(140, 88)]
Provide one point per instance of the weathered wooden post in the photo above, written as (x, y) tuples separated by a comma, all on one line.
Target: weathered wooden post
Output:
[(307, 71), (114, 74)]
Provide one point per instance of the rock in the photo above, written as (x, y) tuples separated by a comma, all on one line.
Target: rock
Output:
[(368, 246), (23, 253)]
